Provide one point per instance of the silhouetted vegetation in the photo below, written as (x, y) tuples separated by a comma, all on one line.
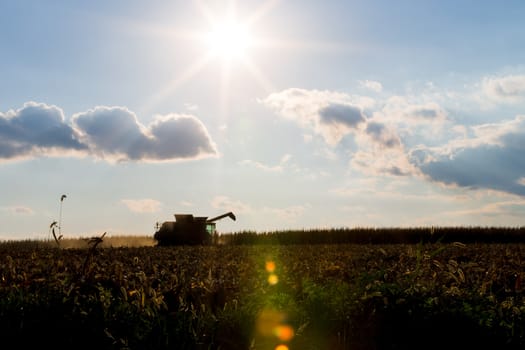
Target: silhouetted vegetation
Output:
[(409, 235), (307, 296)]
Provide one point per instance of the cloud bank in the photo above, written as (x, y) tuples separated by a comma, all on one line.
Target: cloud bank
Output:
[(414, 135), (492, 158), (108, 133), (36, 129), (334, 116)]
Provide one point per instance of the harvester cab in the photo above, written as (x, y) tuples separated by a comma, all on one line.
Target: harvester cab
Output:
[(188, 230), (210, 223)]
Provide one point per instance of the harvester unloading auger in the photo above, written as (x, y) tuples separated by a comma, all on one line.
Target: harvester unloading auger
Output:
[(188, 230)]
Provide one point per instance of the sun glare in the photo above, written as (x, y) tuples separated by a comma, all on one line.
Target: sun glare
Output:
[(229, 40), (229, 37)]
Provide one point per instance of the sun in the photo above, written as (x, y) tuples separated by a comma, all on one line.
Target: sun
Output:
[(229, 40), (229, 37)]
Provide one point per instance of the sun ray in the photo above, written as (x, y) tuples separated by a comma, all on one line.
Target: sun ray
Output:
[(172, 85), (260, 78), (261, 11), (228, 41), (225, 89)]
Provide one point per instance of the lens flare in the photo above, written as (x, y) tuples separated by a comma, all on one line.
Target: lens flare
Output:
[(270, 266), (283, 332), (268, 320), (281, 347), (273, 279)]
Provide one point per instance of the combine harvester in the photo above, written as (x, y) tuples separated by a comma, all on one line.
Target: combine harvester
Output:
[(188, 230)]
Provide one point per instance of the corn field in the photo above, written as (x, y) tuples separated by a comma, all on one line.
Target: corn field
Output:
[(288, 296)]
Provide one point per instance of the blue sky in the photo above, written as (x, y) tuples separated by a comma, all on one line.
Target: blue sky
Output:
[(308, 114)]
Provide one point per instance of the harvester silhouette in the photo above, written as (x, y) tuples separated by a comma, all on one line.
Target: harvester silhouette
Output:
[(188, 230)]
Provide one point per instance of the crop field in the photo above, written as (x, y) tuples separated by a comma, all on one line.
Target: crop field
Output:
[(434, 294)]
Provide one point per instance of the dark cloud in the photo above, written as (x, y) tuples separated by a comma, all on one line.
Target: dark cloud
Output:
[(110, 133), (114, 132), (425, 113), (396, 171), (349, 116), (382, 135), (180, 136), (34, 129), (489, 166), (332, 115)]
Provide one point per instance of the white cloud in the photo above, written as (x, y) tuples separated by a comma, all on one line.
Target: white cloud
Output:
[(415, 135), (191, 107), (505, 89), (227, 204), (269, 168), (291, 213), (512, 208), (371, 85), (259, 165), (332, 115), (399, 109), (186, 204), (327, 153), (142, 205), (18, 210), (386, 162)]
